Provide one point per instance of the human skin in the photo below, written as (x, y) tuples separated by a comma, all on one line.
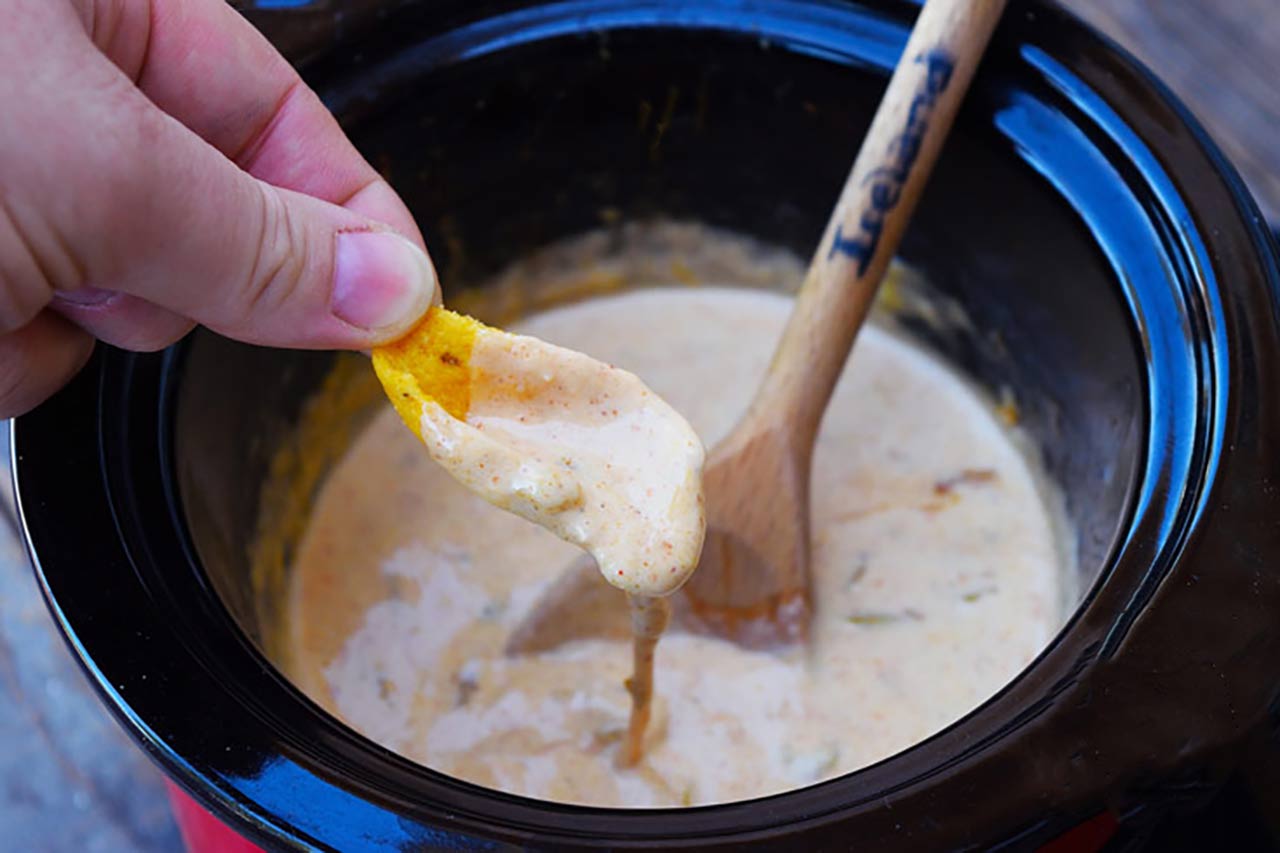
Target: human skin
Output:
[(161, 166)]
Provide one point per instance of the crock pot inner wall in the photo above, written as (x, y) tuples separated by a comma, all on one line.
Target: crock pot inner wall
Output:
[(499, 155)]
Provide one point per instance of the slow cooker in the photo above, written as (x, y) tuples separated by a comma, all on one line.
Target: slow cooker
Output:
[(1119, 281)]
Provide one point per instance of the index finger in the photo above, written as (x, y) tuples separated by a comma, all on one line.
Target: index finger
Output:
[(205, 65)]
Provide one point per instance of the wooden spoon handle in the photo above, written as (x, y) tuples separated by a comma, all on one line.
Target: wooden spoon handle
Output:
[(895, 160)]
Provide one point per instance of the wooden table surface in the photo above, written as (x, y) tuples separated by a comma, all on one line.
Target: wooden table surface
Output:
[(68, 778), (1222, 57)]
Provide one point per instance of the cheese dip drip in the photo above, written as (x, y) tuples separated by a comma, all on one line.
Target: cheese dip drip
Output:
[(570, 443)]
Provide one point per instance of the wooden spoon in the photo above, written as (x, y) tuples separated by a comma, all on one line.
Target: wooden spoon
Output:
[(752, 583)]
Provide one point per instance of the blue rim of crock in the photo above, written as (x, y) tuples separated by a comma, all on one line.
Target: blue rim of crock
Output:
[(291, 802)]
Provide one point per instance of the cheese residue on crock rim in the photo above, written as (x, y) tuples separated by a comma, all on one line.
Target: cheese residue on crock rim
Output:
[(577, 446)]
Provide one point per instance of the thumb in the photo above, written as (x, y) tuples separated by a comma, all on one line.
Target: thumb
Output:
[(163, 216)]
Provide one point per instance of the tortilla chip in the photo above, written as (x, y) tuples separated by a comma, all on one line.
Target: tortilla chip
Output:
[(432, 362)]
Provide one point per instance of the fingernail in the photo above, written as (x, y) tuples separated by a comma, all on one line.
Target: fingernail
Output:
[(381, 281), (84, 296)]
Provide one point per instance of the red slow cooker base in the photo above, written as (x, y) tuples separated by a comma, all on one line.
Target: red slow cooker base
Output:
[(201, 831)]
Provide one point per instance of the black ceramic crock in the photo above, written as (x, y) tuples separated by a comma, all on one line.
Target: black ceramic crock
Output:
[(1118, 279)]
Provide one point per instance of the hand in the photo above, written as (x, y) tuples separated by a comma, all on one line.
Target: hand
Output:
[(160, 166)]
